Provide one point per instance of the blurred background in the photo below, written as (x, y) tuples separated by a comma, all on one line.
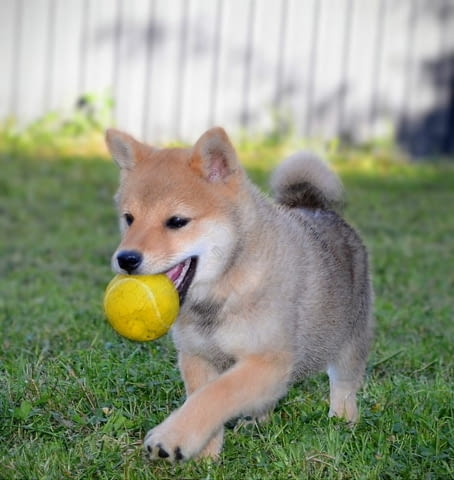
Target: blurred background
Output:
[(351, 70)]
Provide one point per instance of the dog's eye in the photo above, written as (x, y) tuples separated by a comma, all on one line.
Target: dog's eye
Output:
[(128, 218), (176, 222)]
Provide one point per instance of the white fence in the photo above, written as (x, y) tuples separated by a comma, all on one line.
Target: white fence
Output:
[(328, 68)]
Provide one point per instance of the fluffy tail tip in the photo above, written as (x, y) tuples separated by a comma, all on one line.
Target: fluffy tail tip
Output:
[(303, 180)]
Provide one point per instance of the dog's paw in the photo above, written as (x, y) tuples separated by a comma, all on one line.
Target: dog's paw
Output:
[(176, 439), (165, 445), (187, 433), (158, 451)]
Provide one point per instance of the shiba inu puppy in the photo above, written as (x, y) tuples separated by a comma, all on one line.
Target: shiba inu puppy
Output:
[(271, 291)]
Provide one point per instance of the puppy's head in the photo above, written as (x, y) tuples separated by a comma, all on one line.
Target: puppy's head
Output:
[(177, 208)]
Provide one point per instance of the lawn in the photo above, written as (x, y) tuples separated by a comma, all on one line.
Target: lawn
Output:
[(76, 400)]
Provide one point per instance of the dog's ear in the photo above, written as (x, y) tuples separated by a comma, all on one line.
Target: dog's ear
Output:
[(213, 156), (125, 150)]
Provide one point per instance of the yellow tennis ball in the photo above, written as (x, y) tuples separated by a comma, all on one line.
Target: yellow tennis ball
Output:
[(141, 307)]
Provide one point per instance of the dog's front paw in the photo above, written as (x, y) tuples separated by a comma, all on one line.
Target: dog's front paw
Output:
[(159, 450), (179, 437), (162, 444)]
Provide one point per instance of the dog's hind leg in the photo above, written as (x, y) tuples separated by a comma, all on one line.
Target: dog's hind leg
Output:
[(343, 399), (345, 379)]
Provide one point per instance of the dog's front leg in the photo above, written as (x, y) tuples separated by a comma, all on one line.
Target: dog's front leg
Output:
[(251, 386), (196, 372)]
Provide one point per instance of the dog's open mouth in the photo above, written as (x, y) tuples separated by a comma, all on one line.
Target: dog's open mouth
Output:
[(182, 276)]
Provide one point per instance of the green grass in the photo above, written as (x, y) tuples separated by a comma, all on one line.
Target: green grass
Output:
[(76, 400)]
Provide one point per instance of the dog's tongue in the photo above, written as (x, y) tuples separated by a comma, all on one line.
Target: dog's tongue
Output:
[(175, 272)]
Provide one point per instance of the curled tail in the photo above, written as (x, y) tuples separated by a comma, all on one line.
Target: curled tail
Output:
[(303, 180)]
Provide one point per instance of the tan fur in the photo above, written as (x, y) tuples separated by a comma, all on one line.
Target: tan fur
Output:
[(279, 292)]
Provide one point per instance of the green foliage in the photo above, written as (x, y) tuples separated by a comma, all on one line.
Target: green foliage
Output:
[(57, 134), (76, 400)]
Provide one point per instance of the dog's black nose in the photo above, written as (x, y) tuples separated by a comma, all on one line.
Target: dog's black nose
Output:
[(129, 260)]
